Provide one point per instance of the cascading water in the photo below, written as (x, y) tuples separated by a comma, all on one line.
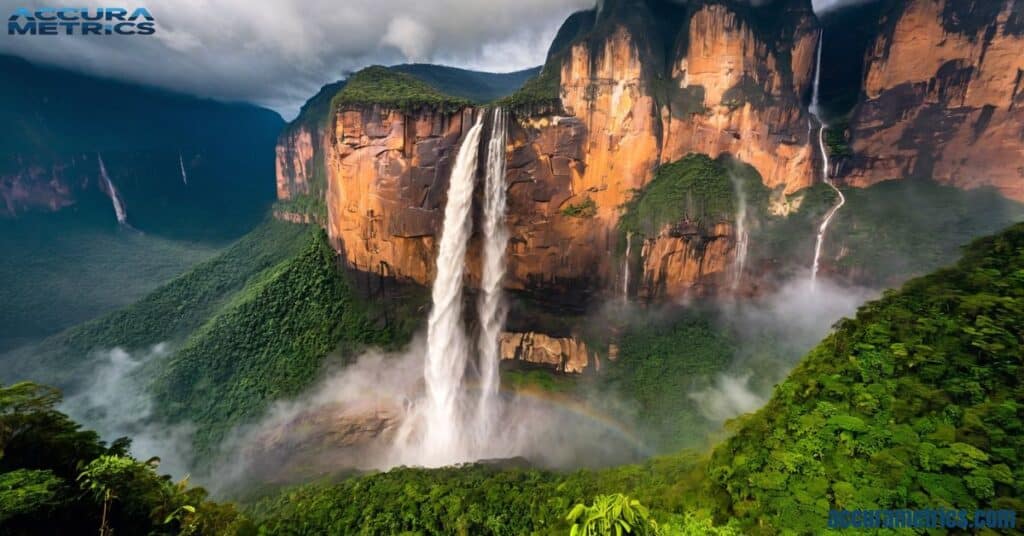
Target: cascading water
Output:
[(816, 112), (742, 235), (115, 198), (181, 164), (447, 353), (491, 306)]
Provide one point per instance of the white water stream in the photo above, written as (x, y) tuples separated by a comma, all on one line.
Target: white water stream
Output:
[(816, 111), (491, 307), (742, 235), (181, 164), (115, 198)]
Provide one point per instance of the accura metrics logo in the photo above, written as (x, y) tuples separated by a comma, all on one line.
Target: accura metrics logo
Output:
[(81, 21)]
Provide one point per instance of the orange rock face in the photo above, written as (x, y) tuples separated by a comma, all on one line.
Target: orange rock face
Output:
[(682, 261), (387, 176), (388, 171), (294, 162), (732, 98), (943, 99)]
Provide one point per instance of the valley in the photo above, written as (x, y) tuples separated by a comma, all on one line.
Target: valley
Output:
[(742, 264)]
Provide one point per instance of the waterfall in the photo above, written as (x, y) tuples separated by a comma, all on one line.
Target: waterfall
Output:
[(742, 235), (115, 198), (181, 164), (447, 352), (816, 112), (491, 306), (625, 267)]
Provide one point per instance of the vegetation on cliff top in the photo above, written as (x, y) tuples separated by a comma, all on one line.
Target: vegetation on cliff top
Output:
[(694, 189), (378, 85)]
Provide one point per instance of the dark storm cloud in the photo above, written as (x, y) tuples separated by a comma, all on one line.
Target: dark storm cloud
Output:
[(278, 53)]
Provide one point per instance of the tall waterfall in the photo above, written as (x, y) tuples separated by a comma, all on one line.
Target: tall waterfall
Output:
[(742, 235), (115, 198), (447, 347), (491, 306), (625, 266), (181, 164), (816, 111)]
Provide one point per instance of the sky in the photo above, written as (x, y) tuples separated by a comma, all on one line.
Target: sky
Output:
[(278, 53)]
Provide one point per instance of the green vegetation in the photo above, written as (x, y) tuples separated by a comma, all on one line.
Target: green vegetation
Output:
[(56, 478), (250, 326), (69, 267), (584, 209), (911, 227), (392, 89), (539, 92), (610, 514), (835, 140), (267, 342), (477, 86), (694, 189), (915, 403), (746, 90), (168, 314), (659, 364)]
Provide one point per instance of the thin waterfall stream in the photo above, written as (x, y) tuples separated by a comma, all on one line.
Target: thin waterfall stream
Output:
[(815, 110)]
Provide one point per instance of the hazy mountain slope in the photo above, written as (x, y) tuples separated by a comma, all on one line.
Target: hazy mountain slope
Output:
[(193, 175)]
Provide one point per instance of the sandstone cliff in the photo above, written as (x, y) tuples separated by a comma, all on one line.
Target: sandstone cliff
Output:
[(942, 97), (640, 83)]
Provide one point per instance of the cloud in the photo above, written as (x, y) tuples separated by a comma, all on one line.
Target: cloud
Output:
[(115, 404), (279, 54)]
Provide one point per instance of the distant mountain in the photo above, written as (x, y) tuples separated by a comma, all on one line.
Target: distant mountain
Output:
[(179, 162), (192, 175), (476, 86)]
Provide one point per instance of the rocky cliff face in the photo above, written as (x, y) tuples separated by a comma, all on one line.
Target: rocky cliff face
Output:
[(642, 83), (27, 186), (732, 91), (564, 354), (387, 174), (943, 96), (294, 161), (685, 260)]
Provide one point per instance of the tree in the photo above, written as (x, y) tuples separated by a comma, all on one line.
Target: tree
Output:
[(614, 514)]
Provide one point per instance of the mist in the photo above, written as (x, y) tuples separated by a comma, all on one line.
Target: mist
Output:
[(113, 401)]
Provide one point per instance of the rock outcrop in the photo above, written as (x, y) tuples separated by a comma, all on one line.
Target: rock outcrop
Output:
[(564, 354), (294, 161), (37, 186), (943, 97), (387, 175), (685, 260)]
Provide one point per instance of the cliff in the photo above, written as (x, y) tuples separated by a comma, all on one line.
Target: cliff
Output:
[(626, 89), (942, 97)]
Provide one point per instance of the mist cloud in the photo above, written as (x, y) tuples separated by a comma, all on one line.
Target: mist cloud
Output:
[(114, 402)]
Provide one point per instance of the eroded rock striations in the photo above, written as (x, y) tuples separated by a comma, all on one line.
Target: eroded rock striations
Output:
[(640, 83), (942, 97)]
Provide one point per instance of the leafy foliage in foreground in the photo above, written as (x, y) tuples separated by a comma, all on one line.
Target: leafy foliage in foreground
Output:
[(472, 499), (393, 89), (916, 403), (56, 478)]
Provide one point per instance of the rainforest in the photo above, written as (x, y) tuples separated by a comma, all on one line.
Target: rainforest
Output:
[(648, 267)]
